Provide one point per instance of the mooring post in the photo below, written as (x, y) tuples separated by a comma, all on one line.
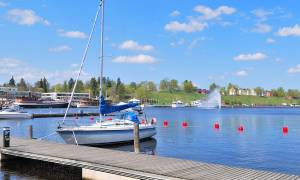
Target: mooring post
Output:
[(136, 138), (30, 129), (6, 137)]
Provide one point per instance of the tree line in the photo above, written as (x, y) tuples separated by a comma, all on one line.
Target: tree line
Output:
[(114, 89)]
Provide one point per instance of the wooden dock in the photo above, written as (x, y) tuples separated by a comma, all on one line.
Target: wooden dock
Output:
[(100, 163)]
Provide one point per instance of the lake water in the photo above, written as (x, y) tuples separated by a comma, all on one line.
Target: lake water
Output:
[(262, 145)]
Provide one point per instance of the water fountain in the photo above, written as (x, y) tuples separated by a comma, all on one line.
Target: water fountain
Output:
[(212, 101)]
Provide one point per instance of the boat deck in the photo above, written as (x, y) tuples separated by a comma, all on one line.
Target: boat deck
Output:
[(127, 164)]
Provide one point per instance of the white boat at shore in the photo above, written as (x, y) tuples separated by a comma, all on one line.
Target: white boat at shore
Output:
[(14, 113), (177, 104), (108, 132)]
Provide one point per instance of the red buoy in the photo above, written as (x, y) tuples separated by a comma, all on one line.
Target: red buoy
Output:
[(184, 124), (217, 125), (109, 119), (143, 121), (166, 123), (285, 129), (241, 128)]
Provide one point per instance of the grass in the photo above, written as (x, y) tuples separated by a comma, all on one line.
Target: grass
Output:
[(166, 98), (256, 100)]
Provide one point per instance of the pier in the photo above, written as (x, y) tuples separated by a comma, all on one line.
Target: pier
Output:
[(99, 163)]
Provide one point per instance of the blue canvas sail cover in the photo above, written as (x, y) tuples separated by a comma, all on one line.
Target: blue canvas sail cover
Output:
[(131, 116), (106, 108)]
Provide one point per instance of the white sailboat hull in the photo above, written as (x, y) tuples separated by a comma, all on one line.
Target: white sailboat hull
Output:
[(15, 115), (104, 135)]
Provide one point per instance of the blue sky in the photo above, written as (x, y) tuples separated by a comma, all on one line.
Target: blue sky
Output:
[(249, 43)]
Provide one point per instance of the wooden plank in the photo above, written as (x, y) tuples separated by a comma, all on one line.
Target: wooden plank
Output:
[(118, 162)]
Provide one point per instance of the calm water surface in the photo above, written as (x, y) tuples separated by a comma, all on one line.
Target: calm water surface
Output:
[(261, 146)]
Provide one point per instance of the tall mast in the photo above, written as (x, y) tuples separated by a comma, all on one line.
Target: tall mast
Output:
[(101, 59)]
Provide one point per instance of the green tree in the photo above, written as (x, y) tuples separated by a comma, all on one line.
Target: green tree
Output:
[(12, 82), (174, 85), (94, 87), (164, 85), (22, 86), (141, 92), (281, 92), (151, 86), (188, 86), (58, 88), (71, 84), (213, 86), (79, 87), (65, 87), (293, 93), (45, 85), (259, 91)]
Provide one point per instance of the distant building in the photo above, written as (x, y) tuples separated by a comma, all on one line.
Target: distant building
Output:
[(232, 92), (203, 91), (246, 92), (8, 90), (65, 96), (268, 94)]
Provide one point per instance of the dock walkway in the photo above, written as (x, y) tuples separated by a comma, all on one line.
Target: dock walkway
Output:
[(129, 165)]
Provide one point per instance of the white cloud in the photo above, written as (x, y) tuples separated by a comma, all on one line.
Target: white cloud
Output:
[(189, 27), (289, 31), (262, 28), (26, 17), (174, 13), (295, 69), (270, 41), (250, 57), (241, 73), (3, 4), (262, 14), (62, 48), (135, 46), (72, 34), (178, 43), (20, 69), (138, 59), (195, 42), (209, 13)]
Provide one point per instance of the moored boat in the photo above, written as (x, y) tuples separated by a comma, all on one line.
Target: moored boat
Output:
[(177, 104), (39, 103), (102, 132), (14, 113)]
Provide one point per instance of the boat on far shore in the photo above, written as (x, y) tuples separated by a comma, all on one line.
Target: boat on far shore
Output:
[(14, 112), (88, 103), (177, 104), (39, 103)]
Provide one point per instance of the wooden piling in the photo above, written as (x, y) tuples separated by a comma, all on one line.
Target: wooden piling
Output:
[(136, 138), (30, 130)]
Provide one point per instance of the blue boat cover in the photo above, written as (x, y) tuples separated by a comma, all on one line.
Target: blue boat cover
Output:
[(131, 116), (106, 108)]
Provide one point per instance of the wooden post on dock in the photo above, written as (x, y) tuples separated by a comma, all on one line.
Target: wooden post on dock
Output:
[(30, 132), (136, 138)]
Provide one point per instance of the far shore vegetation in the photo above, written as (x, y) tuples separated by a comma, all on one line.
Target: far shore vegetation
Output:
[(165, 92)]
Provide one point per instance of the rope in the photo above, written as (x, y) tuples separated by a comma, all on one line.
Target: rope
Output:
[(41, 138), (83, 61)]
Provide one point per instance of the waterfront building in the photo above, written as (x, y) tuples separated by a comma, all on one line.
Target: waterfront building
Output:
[(232, 92), (8, 90), (65, 96), (203, 91)]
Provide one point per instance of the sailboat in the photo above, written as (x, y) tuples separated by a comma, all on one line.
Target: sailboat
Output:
[(117, 130)]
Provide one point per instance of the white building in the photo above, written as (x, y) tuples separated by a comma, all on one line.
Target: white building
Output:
[(65, 96), (8, 90)]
